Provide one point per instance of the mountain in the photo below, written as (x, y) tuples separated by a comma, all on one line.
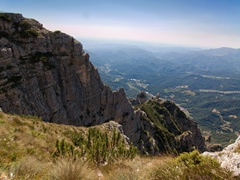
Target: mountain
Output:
[(48, 74), (200, 81)]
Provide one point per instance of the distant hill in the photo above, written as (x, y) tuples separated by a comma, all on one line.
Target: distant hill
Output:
[(198, 80)]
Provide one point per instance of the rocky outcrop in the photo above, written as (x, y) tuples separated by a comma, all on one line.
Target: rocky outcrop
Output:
[(168, 128), (48, 74), (229, 157)]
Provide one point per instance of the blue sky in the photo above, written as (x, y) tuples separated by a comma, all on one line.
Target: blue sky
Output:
[(199, 23)]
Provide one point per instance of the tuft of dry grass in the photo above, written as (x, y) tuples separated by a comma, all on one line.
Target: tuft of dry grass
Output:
[(140, 168), (27, 168), (70, 169)]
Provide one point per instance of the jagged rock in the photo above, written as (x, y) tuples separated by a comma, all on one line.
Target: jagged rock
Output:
[(142, 97), (134, 101), (48, 74), (114, 126), (167, 128), (186, 141), (214, 147), (229, 157)]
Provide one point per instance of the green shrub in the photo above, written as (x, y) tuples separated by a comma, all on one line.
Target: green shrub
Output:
[(28, 33), (31, 33), (24, 30), (103, 149), (57, 32), (44, 58), (4, 17), (63, 149), (24, 25), (98, 147), (191, 166)]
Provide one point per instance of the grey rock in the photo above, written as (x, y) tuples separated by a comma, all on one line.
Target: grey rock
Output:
[(229, 157)]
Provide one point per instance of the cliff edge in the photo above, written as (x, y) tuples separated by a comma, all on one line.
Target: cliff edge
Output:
[(48, 74)]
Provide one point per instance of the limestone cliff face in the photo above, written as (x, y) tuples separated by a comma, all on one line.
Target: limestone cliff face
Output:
[(228, 157), (48, 74)]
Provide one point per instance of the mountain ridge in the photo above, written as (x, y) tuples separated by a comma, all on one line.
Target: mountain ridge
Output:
[(48, 74)]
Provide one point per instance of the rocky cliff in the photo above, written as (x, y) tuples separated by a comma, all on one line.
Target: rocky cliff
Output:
[(48, 74), (229, 157), (167, 128)]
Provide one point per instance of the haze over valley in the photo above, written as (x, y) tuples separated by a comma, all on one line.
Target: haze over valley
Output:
[(205, 82)]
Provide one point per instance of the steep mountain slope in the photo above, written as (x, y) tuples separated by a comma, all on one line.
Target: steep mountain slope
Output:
[(169, 127), (47, 74)]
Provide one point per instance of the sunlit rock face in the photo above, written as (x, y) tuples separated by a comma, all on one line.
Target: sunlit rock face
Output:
[(229, 157)]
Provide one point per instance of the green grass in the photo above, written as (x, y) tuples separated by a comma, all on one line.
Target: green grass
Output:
[(21, 136)]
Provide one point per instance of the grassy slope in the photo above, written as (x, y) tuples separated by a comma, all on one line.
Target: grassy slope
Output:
[(28, 144), (21, 135)]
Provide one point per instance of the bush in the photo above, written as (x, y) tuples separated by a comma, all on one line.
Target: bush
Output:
[(4, 17), (44, 58), (191, 166), (31, 33), (57, 32), (25, 31), (25, 25), (98, 147)]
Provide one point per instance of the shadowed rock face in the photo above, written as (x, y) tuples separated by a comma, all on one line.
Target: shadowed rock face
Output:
[(48, 74)]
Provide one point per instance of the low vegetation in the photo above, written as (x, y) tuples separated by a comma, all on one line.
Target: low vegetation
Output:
[(44, 58), (25, 30), (4, 17), (33, 149)]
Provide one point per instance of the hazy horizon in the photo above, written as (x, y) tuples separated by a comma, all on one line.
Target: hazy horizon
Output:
[(190, 23)]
